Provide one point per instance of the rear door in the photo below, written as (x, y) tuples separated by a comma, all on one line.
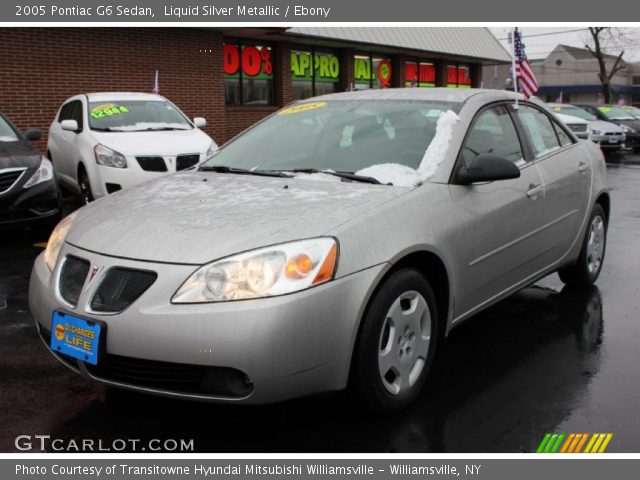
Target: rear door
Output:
[(498, 241), (565, 169)]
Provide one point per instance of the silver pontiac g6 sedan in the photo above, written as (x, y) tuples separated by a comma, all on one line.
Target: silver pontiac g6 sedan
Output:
[(333, 245)]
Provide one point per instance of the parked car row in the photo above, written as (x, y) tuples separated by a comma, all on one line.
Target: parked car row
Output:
[(98, 143), (612, 127)]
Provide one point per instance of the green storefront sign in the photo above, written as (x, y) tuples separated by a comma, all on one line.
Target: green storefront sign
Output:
[(325, 66)]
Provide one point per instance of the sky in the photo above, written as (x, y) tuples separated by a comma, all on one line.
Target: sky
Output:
[(540, 41)]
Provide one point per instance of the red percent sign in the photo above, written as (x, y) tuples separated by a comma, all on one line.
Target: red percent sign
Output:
[(253, 60)]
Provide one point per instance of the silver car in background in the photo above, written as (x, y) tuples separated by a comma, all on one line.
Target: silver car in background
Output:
[(607, 135), (333, 245)]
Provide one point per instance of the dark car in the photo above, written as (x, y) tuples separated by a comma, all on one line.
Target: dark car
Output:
[(29, 194), (615, 114)]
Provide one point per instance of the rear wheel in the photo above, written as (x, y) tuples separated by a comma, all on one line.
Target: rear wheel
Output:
[(586, 270), (397, 343), (86, 195)]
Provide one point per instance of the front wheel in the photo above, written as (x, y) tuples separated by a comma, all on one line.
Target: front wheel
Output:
[(397, 343), (589, 264)]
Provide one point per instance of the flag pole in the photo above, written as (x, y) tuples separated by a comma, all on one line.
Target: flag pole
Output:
[(513, 65)]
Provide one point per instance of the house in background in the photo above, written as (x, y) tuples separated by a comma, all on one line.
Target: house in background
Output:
[(572, 72)]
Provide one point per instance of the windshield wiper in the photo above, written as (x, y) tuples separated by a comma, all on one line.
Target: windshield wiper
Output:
[(103, 129), (242, 171), (160, 129), (345, 175)]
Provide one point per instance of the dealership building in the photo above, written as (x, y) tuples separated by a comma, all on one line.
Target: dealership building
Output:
[(231, 76)]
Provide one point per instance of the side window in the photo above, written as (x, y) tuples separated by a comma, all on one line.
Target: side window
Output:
[(540, 130), (76, 113), (492, 132), (562, 135), (65, 112)]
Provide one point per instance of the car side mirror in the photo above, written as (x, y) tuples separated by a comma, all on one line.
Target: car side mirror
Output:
[(199, 122), (33, 134), (69, 125), (487, 168)]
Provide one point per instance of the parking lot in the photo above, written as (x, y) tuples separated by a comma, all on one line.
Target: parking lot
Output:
[(547, 359)]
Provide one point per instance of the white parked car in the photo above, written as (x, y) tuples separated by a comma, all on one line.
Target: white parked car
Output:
[(103, 142), (607, 135)]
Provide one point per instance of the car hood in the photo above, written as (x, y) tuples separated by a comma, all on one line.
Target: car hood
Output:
[(635, 124), (197, 217), (604, 126), (164, 143), (18, 154)]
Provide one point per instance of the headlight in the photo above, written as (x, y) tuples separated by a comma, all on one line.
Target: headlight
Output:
[(596, 132), (56, 240), (43, 174), (109, 158), (211, 151), (266, 272), (626, 129)]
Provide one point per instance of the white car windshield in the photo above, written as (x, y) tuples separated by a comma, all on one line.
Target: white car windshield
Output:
[(574, 112), (615, 113), (136, 116), (7, 134), (341, 136)]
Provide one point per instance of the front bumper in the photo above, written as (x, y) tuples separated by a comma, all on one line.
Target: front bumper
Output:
[(34, 206), (610, 142), (287, 346)]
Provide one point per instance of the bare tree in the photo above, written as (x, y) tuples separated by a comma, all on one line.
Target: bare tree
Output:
[(606, 72)]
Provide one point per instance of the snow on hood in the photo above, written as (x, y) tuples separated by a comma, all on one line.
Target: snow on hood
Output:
[(197, 217), (170, 142), (404, 176)]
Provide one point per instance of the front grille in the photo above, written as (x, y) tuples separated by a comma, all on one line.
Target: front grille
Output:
[(152, 164), (577, 127), (8, 179), (173, 377), (186, 161), (72, 276), (612, 133), (121, 287)]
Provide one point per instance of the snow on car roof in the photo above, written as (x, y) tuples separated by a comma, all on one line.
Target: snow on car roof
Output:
[(454, 95), (109, 96)]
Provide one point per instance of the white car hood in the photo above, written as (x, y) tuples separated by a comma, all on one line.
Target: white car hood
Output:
[(604, 126), (197, 217), (162, 143)]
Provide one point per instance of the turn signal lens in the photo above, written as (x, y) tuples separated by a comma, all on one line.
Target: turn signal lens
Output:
[(328, 267), (299, 266)]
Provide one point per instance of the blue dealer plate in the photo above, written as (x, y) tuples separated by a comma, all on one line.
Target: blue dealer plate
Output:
[(75, 337)]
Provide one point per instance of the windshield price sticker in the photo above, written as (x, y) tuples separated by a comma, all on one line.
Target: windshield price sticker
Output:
[(302, 108), (108, 110)]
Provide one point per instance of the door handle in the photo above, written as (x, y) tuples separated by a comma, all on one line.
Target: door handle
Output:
[(582, 166), (534, 190)]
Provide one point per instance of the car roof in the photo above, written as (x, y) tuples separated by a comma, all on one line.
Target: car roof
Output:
[(109, 96), (453, 95)]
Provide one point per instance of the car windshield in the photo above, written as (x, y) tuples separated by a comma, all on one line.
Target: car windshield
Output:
[(343, 136), (633, 111), (614, 113), (574, 112), (7, 133), (136, 116)]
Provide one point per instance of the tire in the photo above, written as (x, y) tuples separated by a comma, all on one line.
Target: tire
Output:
[(589, 264), (86, 195), (396, 345)]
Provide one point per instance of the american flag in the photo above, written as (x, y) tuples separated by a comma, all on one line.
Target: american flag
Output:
[(528, 83)]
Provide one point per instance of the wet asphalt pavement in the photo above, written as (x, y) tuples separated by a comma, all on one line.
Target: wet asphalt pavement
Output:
[(544, 360)]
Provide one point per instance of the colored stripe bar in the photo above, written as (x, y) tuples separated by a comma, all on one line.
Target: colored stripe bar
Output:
[(590, 444), (543, 444), (567, 443), (555, 447), (581, 442), (607, 439)]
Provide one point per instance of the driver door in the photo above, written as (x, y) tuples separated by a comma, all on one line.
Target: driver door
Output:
[(498, 240)]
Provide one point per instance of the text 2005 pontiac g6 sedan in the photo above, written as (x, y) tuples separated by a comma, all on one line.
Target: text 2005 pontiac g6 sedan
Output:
[(333, 245)]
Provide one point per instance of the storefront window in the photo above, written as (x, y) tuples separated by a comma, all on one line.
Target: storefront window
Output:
[(419, 74), (371, 71), (248, 74), (314, 73), (458, 76)]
